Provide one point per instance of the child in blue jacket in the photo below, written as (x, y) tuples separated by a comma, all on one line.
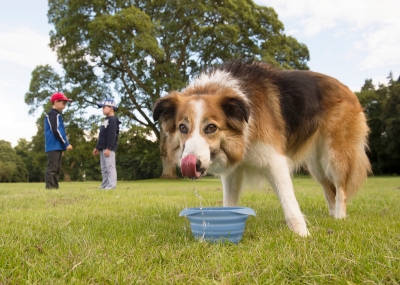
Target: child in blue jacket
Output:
[(55, 139)]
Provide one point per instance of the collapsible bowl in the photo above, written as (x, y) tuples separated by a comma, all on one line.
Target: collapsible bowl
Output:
[(218, 224)]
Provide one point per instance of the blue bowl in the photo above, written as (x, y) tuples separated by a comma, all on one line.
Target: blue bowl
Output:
[(218, 224)]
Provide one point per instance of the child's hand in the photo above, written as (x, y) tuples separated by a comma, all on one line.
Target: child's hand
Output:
[(106, 152), (95, 151), (69, 147)]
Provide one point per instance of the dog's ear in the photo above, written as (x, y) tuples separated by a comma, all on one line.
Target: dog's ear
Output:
[(165, 111), (236, 109), (165, 107)]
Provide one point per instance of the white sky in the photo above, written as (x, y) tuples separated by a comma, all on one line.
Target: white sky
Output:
[(351, 40)]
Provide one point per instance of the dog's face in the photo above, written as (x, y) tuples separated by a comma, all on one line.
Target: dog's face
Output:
[(206, 129)]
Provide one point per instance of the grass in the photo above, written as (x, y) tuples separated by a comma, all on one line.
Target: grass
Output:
[(133, 235)]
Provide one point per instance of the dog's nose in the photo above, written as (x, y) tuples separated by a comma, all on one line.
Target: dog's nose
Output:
[(199, 167), (198, 164)]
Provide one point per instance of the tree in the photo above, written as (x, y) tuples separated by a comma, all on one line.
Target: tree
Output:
[(143, 49), (12, 168), (37, 154), (22, 149), (382, 107), (391, 121), (372, 103), (138, 157)]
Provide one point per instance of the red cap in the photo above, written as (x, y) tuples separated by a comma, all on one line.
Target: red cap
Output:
[(59, 97)]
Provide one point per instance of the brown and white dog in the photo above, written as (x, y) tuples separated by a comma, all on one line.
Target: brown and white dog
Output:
[(247, 118)]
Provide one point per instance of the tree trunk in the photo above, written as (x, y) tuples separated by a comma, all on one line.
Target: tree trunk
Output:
[(169, 167), (67, 177)]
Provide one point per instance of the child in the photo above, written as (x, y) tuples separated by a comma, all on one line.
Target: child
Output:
[(55, 139), (107, 144)]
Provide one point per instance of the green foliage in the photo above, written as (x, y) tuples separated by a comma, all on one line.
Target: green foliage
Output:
[(44, 82), (391, 121), (12, 167), (382, 107), (133, 235), (22, 149), (138, 157), (80, 160), (37, 156)]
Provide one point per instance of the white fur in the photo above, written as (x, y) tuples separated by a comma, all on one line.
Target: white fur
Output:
[(220, 78), (340, 206), (196, 143), (263, 159)]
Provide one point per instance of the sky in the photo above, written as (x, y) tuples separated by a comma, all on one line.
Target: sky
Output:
[(349, 40)]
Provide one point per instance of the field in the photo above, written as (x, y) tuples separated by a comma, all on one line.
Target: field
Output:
[(133, 235)]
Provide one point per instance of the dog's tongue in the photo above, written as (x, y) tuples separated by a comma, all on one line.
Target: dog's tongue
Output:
[(188, 167)]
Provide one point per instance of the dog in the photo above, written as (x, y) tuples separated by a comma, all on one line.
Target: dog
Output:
[(246, 118)]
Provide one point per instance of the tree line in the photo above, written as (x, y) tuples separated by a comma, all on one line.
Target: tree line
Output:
[(382, 107)]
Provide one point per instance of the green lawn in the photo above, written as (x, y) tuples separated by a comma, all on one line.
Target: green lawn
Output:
[(133, 235)]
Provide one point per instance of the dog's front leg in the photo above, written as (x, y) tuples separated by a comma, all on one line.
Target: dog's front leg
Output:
[(232, 185), (281, 182)]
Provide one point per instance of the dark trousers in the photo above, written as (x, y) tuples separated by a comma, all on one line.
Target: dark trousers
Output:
[(53, 168)]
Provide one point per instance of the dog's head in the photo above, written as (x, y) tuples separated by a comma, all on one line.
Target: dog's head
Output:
[(206, 128)]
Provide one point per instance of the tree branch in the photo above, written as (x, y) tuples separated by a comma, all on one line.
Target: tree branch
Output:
[(139, 109), (133, 76), (133, 117)]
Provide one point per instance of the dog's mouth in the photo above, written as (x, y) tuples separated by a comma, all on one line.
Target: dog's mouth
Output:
[(190, 167)]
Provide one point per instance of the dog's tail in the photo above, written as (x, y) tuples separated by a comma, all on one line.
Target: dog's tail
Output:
[(360, 166)]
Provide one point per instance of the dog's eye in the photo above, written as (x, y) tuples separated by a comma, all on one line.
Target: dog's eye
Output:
[(183, 129), (211, 128)]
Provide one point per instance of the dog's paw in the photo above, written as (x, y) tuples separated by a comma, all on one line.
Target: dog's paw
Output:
[(299, 227), (305, 233)]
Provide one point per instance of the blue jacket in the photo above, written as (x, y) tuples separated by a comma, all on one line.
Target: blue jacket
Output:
[(54, 132)]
